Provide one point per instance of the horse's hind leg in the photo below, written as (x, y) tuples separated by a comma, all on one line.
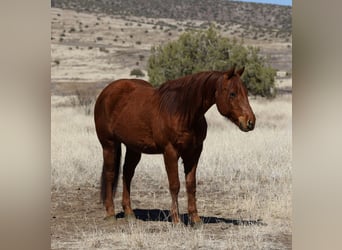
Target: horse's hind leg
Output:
[(132, 159), (110, 173)]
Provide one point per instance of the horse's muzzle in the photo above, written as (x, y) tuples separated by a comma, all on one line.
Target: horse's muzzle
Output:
[(246, 124)]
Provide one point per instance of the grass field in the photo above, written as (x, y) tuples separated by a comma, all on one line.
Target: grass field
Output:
[(243, 192)]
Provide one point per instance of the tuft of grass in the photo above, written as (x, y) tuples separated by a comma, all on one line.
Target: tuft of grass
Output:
[(84, 99)]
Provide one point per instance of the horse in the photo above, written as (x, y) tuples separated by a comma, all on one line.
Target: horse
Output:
[(166, 120)]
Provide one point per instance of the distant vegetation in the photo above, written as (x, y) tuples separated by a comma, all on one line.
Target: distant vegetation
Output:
[(256, 19), (137, 73), (197, 51)]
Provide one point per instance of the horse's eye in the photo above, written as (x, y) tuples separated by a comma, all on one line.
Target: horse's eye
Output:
[(232, 95)]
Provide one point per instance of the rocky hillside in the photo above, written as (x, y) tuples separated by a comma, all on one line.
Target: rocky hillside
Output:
[(258, 20)]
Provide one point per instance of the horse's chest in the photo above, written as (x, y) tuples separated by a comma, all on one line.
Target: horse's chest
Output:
[(191, 137)]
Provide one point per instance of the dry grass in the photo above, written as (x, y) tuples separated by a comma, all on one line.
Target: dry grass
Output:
[(241, 176)]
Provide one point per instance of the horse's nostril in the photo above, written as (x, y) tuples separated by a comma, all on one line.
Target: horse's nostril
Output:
[(250, 124)]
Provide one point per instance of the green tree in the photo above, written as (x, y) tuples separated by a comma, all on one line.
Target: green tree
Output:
[(196, 51)]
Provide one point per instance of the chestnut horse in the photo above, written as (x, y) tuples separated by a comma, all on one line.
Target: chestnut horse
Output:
[(168, 120)]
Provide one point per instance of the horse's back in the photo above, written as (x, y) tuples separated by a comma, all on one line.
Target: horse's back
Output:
[(118, 91), (122, 86)]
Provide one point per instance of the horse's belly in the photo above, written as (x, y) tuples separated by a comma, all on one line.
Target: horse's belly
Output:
[(144, 146), (135, 130), (138, 139)]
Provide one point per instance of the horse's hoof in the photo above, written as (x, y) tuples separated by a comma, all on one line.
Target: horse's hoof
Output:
[(130, 218), (110, 218), (197, 224)]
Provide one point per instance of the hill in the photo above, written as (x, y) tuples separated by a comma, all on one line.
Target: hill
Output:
[(254, 18), (95, 42)]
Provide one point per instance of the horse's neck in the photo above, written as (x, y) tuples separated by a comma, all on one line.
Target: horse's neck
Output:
[(189, 100), (208, 90), (207, 93)]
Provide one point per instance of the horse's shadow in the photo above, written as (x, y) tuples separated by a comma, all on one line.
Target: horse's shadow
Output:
[(165, 215)]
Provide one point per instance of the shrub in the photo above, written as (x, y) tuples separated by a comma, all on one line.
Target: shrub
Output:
[(137, 73), (206, 50), (102, 49), (85, 99), (141, 57)]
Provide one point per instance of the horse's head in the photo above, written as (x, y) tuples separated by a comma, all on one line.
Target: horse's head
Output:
[(232, 100)]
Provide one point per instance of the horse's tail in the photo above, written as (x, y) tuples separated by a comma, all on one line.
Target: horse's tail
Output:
[(117, 164)]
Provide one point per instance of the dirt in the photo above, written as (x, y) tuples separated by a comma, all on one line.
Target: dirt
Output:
[(75, 212)]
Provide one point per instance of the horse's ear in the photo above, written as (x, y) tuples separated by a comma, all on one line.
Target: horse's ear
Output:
[(230, 72), (240, 71)]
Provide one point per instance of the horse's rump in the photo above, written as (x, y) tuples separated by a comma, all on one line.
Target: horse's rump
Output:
[(121, 113)]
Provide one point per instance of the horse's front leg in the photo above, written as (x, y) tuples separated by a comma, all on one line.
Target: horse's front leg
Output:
[(171, 163), (190, 165)]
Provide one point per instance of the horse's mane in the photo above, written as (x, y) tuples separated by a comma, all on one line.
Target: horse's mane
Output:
[(185, 95)]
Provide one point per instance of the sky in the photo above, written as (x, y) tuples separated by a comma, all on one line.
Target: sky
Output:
[(280, 2)]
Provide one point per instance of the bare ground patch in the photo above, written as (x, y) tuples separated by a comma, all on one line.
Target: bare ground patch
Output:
[(77, 222)]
